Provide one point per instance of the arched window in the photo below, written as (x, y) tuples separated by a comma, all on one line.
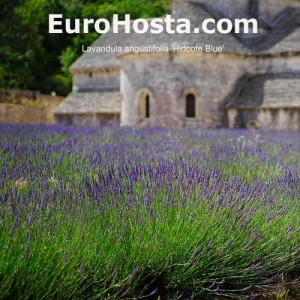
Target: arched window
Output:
[(147, 106), (190, 102), (144, 105)]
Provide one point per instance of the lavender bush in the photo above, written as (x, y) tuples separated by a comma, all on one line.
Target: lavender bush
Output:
[(124, 213)]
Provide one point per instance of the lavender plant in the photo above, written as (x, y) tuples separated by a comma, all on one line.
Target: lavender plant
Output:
[(126, 213)]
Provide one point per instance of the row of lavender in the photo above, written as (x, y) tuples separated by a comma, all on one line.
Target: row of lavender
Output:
[(112, 213)]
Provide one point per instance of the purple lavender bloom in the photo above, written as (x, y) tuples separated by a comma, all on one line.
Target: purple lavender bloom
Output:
[(153, 292)]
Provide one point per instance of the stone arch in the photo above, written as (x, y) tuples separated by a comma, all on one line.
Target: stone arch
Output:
[(191, 99), (144, 104)]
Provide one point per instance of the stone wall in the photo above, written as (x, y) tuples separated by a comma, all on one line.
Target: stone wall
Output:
[(32, 111), (167, 77), (88, 119), (98, 80), (12, 113)]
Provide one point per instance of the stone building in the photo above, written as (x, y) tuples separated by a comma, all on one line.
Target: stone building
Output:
[(253, 83)]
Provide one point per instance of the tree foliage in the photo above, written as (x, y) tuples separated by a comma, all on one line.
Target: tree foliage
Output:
[(31, 58)]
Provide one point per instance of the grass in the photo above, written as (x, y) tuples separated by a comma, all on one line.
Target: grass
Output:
[(121, 213)]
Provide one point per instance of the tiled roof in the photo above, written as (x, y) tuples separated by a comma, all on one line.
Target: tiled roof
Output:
[(91, 102), (268, 91), (280, 36)]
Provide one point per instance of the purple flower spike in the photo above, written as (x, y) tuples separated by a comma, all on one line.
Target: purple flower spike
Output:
[(153, 292)]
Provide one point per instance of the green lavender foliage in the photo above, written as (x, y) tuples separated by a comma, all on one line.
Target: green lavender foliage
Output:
[(121, 213)]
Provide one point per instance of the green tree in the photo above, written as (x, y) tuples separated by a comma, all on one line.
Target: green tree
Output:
[(31, 58)]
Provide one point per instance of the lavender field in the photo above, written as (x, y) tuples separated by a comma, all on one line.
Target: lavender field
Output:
[(123, 213)]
